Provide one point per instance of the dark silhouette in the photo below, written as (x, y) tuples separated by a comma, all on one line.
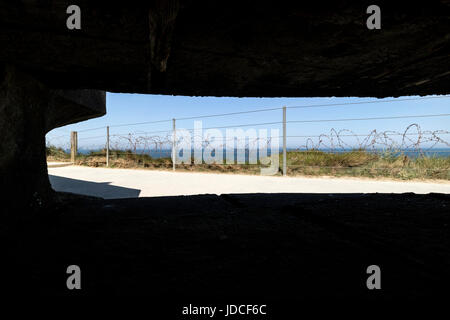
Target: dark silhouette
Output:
[(260, 246)]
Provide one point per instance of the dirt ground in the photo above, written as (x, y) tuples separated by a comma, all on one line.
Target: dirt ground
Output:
[(128, 183), (263, 247)]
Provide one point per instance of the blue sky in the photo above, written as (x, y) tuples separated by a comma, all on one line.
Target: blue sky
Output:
[(136, 108)]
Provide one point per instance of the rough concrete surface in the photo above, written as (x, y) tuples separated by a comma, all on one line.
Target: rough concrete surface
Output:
[(261, 248), (28, 110), (233, 48)]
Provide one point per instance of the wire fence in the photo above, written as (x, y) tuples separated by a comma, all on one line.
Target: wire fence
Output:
[(409, 152)]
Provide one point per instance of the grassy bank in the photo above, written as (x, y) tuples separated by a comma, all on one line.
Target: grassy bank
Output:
[(357, 163)]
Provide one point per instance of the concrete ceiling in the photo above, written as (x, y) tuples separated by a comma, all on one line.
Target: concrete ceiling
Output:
[(227, 48)]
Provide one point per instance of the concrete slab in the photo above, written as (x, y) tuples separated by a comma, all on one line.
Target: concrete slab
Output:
[(125, 183)]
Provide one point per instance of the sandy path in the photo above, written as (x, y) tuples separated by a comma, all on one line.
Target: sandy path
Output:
[(125, 183)]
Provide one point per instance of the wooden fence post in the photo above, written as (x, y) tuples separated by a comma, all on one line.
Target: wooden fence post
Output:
[(284, 143), (73, 146), (174, 145), (107, 146)]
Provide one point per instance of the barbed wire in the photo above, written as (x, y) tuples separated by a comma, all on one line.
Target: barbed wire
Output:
[(298, 121), (334, 140), (413, 138)]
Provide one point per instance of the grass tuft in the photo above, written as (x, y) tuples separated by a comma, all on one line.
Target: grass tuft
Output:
[(355, 163)]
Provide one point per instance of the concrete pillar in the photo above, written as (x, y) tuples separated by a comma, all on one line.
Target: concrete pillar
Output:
[(23, 168), (28, 110)]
